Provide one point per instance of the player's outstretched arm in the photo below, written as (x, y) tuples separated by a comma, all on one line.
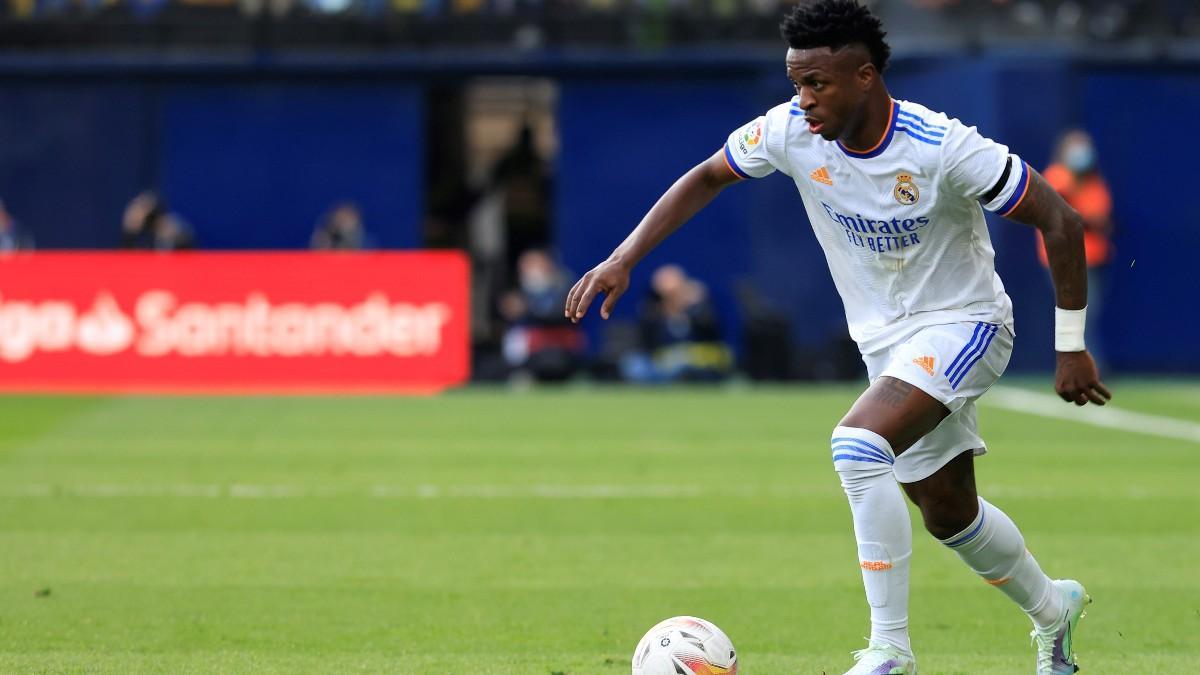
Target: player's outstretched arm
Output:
[(1076, 377), (692, 192)]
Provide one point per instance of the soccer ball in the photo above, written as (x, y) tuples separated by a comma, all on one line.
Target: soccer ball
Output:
[(685, 645)]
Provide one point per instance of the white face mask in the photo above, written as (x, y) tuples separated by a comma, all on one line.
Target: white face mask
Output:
[(1079, 157), (536, 281)]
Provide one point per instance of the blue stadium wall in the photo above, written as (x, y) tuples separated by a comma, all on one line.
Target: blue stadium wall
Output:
[(252, 151), (623, 143), (249, 160)]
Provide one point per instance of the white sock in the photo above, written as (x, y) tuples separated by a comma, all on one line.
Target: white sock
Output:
[(863, 460), (993, 547)]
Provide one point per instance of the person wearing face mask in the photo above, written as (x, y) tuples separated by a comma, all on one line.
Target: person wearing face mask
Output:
[(540, 344), (1075, 175)]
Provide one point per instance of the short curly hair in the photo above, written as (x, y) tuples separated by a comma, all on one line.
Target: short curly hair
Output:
[(835, 24)]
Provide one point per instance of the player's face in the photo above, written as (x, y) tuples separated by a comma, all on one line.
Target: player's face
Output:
[(832, 87)]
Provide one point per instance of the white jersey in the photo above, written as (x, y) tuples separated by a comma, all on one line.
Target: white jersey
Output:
[(901, 224)]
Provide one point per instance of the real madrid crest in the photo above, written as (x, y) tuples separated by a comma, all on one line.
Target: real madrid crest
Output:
[(906, 191)]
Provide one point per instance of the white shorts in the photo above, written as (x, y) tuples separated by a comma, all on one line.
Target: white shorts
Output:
[(954, 363)]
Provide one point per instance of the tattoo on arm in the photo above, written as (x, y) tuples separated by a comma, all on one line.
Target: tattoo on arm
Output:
[(1040, 205), (1062, 229), (891, 392)]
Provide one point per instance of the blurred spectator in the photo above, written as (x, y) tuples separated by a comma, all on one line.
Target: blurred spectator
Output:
[(500, 213), (1075, 175), (523, 178), (11, 236), (341, 230), (647, 23), (540, 342), (148, 225), (680, 334), (939, 4)]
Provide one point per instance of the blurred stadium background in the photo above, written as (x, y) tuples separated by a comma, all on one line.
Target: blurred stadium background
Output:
[(499, 127), (479, 155)]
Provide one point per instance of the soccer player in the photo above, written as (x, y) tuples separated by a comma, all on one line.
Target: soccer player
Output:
[(894, 192)]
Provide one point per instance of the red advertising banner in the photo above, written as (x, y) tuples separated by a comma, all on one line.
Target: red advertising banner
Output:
[(233, 322)]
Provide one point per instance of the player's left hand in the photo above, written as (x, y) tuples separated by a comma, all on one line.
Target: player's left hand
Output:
[(1077, 381)]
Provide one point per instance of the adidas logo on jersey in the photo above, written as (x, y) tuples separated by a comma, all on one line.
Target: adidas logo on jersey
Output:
[(926, 363), (821, 175)]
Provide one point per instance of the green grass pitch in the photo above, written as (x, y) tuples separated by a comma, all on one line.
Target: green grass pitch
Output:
[(484, 531)]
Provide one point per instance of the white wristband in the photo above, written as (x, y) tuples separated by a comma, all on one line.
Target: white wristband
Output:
[(1068, 329)]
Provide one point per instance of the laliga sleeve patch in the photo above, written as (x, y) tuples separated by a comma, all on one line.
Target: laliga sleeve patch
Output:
[(749, 138)]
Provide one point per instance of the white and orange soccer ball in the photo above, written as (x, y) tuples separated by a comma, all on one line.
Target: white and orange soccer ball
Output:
[(685, 645)]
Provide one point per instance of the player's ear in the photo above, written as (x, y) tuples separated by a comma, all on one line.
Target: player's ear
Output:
[(866, 75)]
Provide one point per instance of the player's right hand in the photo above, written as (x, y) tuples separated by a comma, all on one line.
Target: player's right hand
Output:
[(609, 277)]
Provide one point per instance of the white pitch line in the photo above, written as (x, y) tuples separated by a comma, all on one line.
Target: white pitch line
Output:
[(539, 491), (1045, 405), (246, 491), (274, 491)]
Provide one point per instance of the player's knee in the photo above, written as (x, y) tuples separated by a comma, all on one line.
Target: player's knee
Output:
[(860, 456), (943, 525), (945, 515)]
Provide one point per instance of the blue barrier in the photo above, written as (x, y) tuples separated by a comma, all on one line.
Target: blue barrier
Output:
[(253, 147)]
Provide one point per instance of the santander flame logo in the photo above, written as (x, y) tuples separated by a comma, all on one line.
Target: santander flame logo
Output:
[(161, 325), (104, 329)]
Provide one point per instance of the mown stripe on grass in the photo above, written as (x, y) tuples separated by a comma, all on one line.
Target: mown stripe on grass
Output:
[(1044, 405)]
